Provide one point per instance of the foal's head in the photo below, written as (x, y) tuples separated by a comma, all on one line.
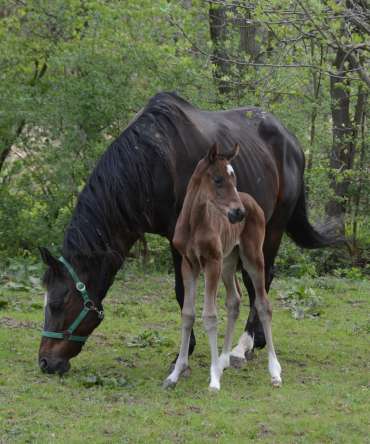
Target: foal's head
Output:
[(217, 180)]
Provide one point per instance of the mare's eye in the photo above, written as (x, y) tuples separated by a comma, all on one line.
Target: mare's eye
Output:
[(218, 180), (56, 306)]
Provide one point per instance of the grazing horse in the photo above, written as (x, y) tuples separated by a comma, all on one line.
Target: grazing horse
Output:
[(139, 185), (218, 226)]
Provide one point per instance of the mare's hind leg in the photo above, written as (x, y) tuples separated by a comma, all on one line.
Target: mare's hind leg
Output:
[(232, 305), (212, 273), (190, 276), (252, 258)]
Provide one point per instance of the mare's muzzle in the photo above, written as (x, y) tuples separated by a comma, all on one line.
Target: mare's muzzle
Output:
[(50, 365), (236, 215)]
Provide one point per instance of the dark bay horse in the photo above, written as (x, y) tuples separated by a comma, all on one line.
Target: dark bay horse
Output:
[(138, 186), (218, 227)]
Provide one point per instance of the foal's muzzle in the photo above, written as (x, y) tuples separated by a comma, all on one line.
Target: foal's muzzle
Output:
[(236, 215)]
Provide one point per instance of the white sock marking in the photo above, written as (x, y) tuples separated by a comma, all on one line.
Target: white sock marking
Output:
[(245, 344), (215, 378), (224, 361), (274, 369)]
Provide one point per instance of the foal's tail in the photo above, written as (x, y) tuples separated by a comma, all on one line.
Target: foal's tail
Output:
[(238, 286), (306, 235)]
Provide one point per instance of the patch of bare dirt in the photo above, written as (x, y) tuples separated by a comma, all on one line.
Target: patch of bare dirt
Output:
[(15, 323)]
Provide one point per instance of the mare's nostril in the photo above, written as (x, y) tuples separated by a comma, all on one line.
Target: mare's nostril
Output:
[(43, 363)]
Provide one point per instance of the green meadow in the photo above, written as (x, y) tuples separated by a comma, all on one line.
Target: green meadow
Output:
[(113, 392)]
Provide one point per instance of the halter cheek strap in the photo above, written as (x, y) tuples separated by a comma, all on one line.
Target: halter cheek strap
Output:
[(88, 306)]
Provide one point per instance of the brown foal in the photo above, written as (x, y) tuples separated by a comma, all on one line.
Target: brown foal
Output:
[(216, 227)]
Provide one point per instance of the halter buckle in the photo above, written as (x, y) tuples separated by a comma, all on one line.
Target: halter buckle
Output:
[(89, 305), (80, 286), (67, 334)]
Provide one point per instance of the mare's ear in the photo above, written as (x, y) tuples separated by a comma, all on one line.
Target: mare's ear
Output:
[(213, 153), (233, 153), (49, 259)]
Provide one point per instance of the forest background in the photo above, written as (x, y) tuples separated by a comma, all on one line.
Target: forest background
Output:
[(74, 72)]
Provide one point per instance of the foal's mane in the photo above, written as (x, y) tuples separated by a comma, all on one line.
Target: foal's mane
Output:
[(118, 196)]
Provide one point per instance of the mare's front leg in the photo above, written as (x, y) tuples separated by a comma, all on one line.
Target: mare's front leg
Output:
[(212, 272), (190, 273)]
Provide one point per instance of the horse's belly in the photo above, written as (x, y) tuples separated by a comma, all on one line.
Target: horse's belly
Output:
[(228, 250)]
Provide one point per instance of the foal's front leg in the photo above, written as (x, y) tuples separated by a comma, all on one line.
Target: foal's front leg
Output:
[(212, 273), (190, 275)]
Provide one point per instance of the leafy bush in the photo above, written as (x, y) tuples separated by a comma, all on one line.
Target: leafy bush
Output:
[(302, 301)]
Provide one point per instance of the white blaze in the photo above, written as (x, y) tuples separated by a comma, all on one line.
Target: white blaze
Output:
[(45, 299), (230, 169)]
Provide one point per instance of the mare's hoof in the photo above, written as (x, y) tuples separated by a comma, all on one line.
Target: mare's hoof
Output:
[(213, 389), (276, 382), (168, 384), (237, 361)]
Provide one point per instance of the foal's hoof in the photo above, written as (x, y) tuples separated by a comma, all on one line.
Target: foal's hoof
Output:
[(276, 382), (237, 361), (186, 372), (168, 384), (213, 389)]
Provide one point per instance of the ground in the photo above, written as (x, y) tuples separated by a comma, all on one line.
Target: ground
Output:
[(113, 392)]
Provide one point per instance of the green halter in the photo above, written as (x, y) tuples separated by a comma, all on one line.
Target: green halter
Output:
[(88, 306)]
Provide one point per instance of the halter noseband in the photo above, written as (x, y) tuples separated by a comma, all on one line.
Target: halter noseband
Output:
[(88, 306)]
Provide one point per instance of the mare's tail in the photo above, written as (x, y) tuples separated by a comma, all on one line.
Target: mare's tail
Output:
[(306, 235)]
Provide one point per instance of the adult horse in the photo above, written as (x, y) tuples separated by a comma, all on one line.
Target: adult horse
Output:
[(139, 185)]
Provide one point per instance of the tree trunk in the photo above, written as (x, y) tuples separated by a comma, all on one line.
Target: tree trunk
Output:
[(218, 33), (360, 121), (4, 153), (316, 85), (343, 147)]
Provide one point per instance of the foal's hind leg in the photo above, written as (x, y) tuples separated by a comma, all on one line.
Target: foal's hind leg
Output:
[(252, 258), (232, 305), (190, 276)]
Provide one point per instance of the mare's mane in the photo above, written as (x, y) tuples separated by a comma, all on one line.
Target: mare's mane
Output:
[(118, 196)]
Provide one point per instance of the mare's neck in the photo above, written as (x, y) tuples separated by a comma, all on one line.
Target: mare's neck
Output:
[(97, 268)]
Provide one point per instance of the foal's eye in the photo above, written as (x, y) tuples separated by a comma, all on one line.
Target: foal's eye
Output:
[(218, 180)]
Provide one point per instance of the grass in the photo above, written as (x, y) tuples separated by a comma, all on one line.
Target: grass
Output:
[(113, 392)]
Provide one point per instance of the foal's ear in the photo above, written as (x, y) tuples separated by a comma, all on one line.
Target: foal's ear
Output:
[(213, 153), (233, 153), (49, 259)]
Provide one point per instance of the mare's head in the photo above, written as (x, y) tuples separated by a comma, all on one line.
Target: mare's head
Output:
[(71, 312), (216, 179)]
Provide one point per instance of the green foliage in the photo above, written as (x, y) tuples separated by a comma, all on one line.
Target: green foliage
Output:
[(20, 275), (73, 73), (148, 338), (301, 300)]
